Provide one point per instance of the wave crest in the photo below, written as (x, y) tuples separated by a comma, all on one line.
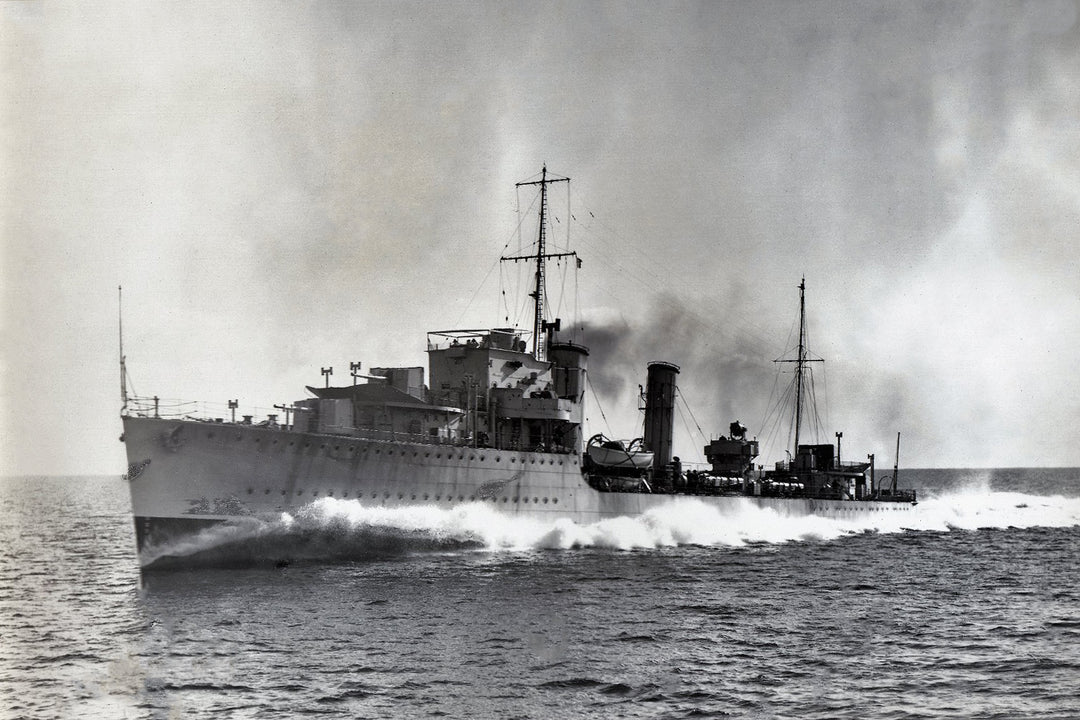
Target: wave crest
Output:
[(336, 529)]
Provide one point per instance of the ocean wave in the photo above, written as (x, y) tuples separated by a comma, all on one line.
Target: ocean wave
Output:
[(333, 529)]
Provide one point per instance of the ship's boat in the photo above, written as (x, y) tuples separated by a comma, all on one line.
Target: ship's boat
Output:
[(497, 418), (618, 454)]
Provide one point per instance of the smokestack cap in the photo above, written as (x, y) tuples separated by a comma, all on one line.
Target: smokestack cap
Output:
[(663, 365)]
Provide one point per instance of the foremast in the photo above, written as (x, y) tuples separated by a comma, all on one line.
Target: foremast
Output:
[(539, 350), (123, 366)]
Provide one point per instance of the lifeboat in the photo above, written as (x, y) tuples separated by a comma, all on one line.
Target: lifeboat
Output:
[(619, 454)]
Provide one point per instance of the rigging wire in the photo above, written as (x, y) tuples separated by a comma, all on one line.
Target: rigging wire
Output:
[(825, 390), (699, 457), (569, 215), (519, 300), (690, 432), (476, 292), (502, 293), (577, 306), (596, 399), (687, 406), (772, 431), (498, 261)]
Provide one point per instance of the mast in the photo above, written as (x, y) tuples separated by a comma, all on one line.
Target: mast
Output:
[(896, 465), (539, 329), (801, 362), (123, 368), (538, 293)]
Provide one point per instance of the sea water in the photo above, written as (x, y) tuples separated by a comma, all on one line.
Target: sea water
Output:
[(970, 607)]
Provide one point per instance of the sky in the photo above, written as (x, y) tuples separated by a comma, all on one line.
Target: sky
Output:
[(281, 187)]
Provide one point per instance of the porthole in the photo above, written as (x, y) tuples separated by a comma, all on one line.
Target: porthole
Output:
[(282, 493), (336, 448), (555, 501), (345, 494), (425, 496), (505, 499), (299, 493), (291, 443), (438, 497), (377, 451), (481, 458), (533, 461), (315, 493), (274, 442), (386, 496), (238, 438), (414, 496), (209, 435), (472, 498), (323, 446), (497, 458), (307, 444), (536, 501), (545, 501), (461, 456), (352, 448), (513, 459), (251, 491), (255, 439), (472, 457), (400, 496), (461, 498), (374, 495), (525, 500), (266, 491), (427, 454), (515, 499), (414, 453), (560, 462), (438, 455)]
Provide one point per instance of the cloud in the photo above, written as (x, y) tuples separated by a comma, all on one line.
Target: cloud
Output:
[(282, 187)]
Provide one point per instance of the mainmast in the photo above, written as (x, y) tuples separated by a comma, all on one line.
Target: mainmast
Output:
[(800, 365), (539, 328), (801, 362)]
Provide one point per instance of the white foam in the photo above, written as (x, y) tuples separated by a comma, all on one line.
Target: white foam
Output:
[(346, 526)]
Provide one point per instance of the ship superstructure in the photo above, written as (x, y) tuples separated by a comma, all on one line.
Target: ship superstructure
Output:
[(499, 419)]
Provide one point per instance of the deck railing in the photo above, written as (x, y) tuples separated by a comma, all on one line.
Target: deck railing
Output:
[(223, 413)]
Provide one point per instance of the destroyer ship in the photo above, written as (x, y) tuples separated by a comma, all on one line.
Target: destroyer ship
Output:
[(497, 419)]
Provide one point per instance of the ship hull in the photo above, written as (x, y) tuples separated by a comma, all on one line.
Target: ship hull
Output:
[(185, 476)]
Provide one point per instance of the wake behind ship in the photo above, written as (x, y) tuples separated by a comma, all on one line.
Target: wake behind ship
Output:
[(497, 419)]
